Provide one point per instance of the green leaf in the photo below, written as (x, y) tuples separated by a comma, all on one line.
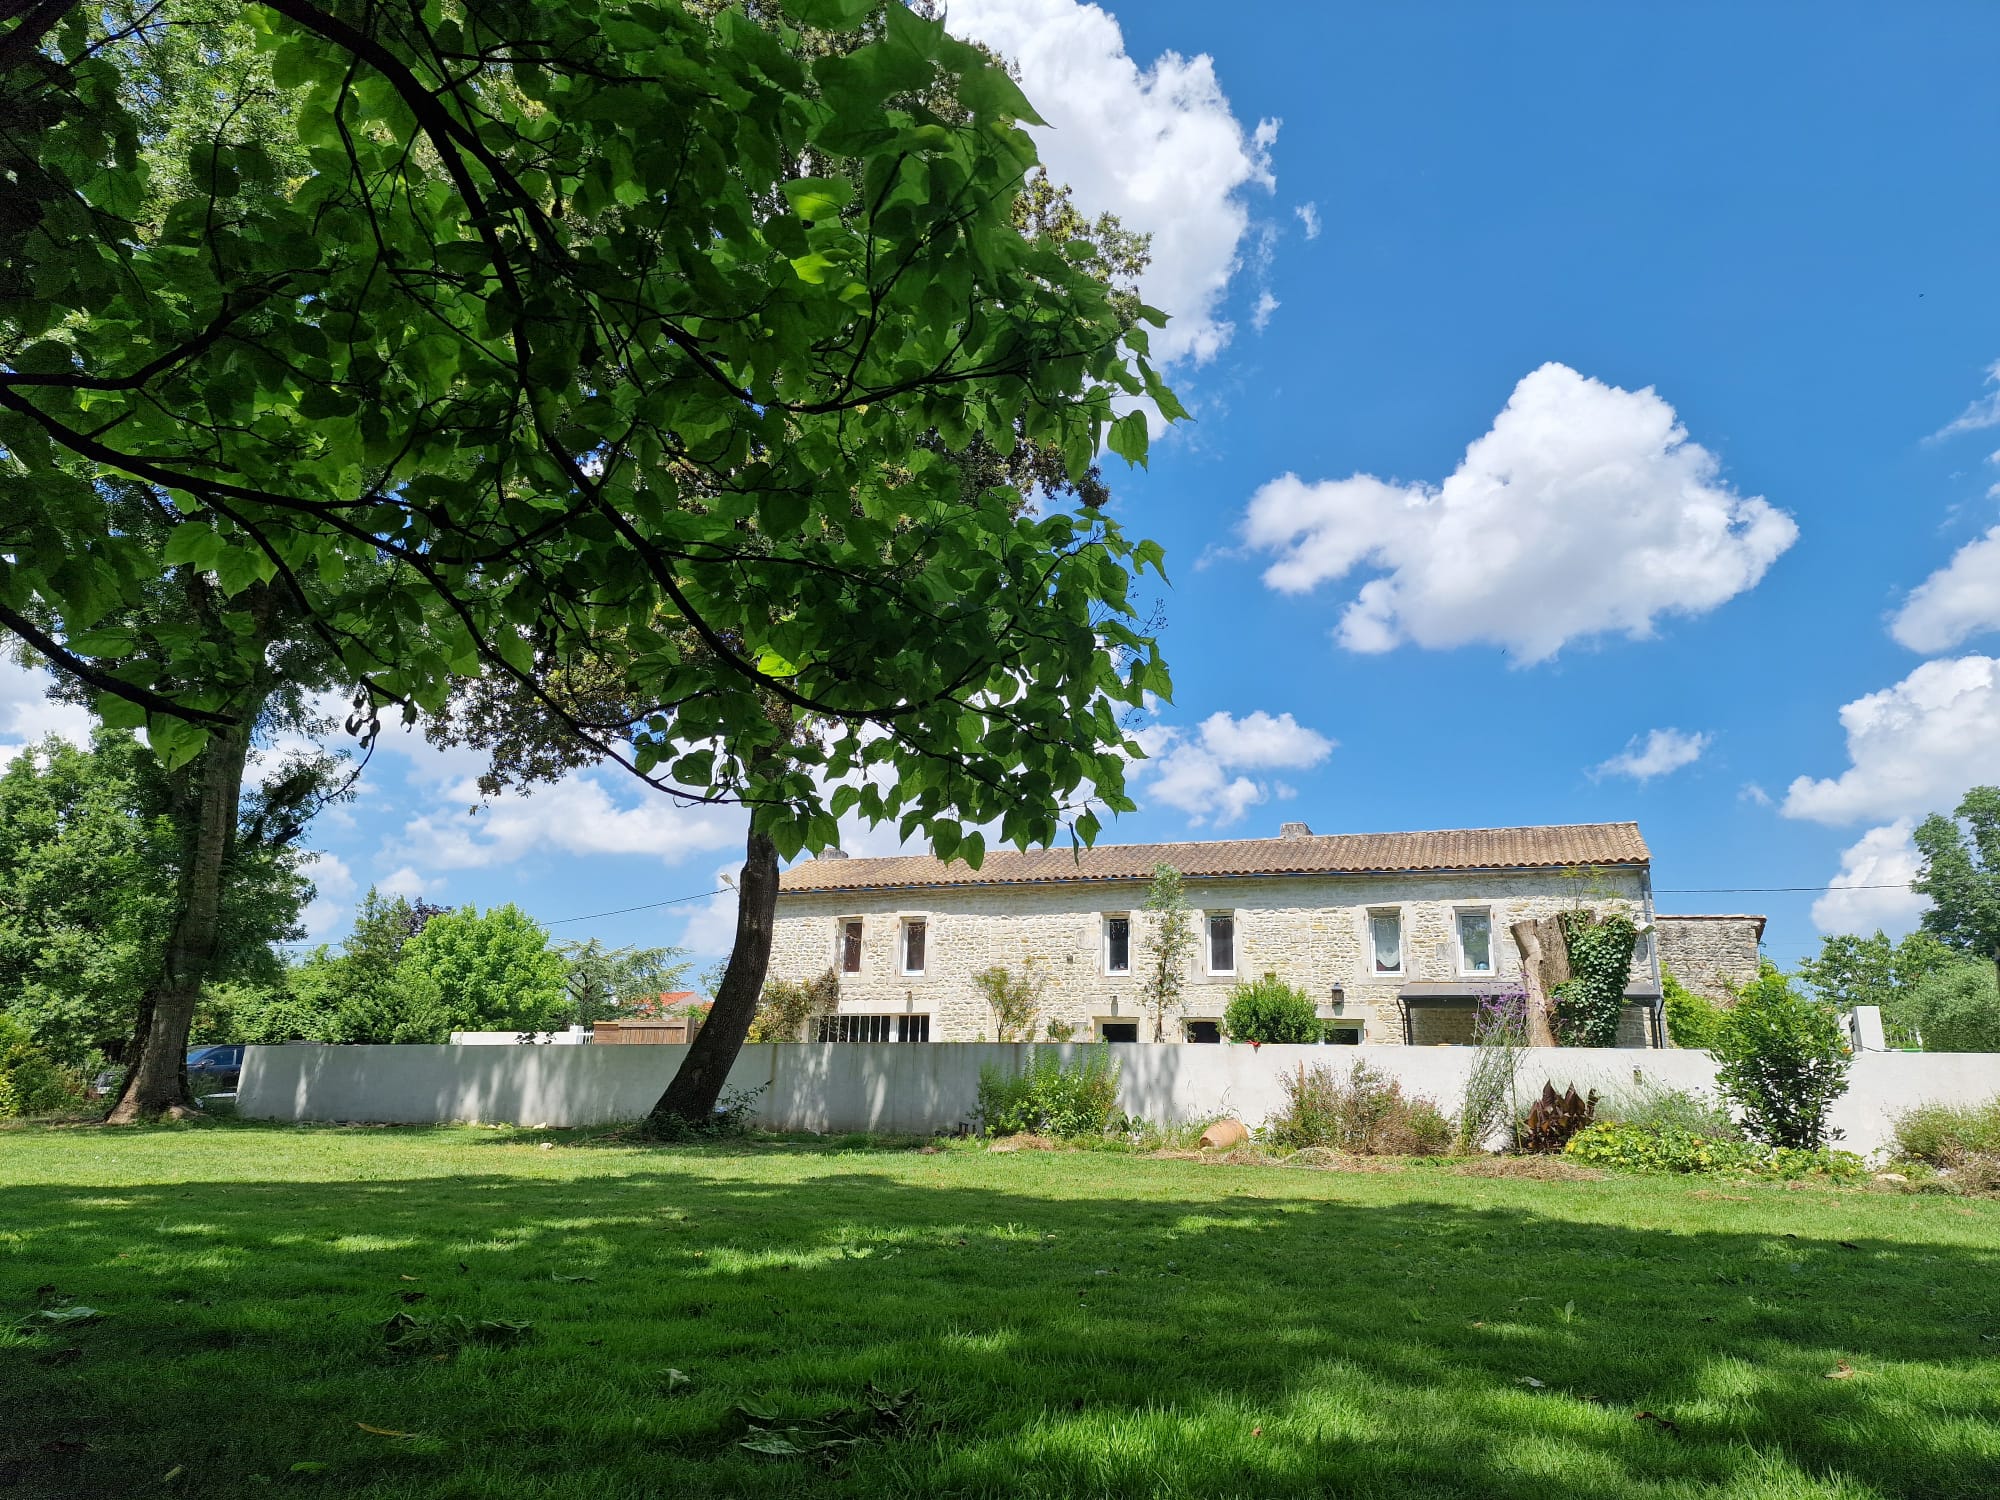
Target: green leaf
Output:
[(1128, 438), (818, 197)]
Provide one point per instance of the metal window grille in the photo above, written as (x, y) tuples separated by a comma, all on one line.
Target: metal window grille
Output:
[(862, 1029)]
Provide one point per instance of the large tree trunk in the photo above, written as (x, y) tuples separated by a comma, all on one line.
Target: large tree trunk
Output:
[(157, 1079), (1544, 965), (691, 1097)]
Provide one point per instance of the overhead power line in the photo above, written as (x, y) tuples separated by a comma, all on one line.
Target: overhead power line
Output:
[(1766, 890)]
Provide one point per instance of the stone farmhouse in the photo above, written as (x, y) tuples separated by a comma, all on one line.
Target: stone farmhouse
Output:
[(1394, 935)]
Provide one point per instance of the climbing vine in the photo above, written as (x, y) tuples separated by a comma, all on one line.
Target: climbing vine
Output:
[(1588, 1003)]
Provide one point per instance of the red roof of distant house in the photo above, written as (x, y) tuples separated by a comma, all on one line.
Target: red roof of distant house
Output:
[(659, 1005)]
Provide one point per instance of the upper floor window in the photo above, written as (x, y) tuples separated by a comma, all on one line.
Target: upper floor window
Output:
[(850, 945), (914, 931), (1385, 941), (1475, 942), (1118, 945), (1221, 942)]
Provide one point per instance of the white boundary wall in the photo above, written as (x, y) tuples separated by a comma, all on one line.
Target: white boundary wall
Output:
[(912, 1089)]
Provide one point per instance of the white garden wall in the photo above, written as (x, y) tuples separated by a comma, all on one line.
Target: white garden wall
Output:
[(919, 1089)]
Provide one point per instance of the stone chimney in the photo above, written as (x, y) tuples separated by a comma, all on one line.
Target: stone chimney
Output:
[(1294, 831), (831, 854)]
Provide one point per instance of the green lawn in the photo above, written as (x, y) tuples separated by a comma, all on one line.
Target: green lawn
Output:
[(1070, 1324)]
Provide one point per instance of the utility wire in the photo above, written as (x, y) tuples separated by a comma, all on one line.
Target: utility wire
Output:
[(1763, 890), (588, 917)]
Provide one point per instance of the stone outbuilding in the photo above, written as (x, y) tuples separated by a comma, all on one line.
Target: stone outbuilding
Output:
[(1395, 936), (1713, 956)]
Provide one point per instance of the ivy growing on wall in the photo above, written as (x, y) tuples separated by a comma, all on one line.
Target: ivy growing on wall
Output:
[(1588, 1003)]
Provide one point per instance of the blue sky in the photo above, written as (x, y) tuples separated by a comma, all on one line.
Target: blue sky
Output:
[(1733, 268)]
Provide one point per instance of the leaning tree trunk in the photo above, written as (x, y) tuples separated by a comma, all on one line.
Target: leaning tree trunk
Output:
[(1544, 965), (691, 1097), (157, 1080)]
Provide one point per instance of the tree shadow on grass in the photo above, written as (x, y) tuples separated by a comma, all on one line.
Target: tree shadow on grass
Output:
[(1063, 1344)]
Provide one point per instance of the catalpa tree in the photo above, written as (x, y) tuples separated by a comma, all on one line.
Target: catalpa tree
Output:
[(582, 322)]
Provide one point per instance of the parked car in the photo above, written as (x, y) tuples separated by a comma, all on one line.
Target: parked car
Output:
[(219, 1068)]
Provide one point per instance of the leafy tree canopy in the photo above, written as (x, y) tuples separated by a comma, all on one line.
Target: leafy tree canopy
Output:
[(487, 971), (89, 864), (1960, 872), (551, 341)]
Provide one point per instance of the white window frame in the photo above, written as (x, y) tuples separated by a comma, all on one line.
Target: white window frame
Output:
[(1368, 916), (1458, 916), (1105, 955), (903, 927), (1208, 919), (840, 926)]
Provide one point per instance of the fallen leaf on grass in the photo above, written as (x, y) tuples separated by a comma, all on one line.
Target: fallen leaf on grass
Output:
[(1665, 1424), (1256, 1432), (386, 1432), (66, 1446), (830, 1436), (1841, 1371), (1529, 1380), (311, 1466), (1848, 1245), (409, 1278), (572, 1278), (174, 1473), (70, 1314)]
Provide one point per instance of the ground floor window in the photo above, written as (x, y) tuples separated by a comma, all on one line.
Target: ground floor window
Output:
[(1342, 1034), (874, 1028), (1204, 1031), (1118, 1031)]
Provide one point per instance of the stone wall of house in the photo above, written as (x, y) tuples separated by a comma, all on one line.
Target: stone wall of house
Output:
[(1710, 954), (1311, 931)]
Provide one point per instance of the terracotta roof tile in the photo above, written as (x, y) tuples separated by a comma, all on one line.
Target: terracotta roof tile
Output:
[(1540, 848)]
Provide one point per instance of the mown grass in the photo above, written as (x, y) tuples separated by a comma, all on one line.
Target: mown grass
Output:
[(1072, 1324)]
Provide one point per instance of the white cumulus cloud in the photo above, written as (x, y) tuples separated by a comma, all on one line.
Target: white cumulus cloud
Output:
[(1913, 748), (27, 714), (1309, 216), (593, 812), (1958, 601), (1260, 314), (1202, 772), (1872, 889), (1159, 146), (1654, 754), (1586, 509)]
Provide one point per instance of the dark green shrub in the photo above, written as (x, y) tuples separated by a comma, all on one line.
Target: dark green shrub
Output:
[(1954, 1009), (1268, 1010), (1047, 1098), (1693, 1021), (1948, 1135), (1364, 1113), (31, 1081), (1784, 1061)]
